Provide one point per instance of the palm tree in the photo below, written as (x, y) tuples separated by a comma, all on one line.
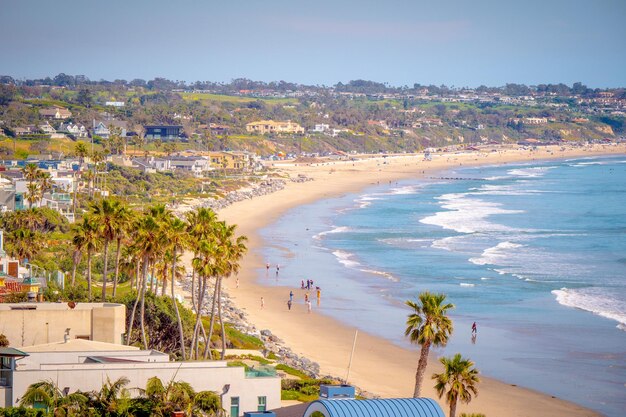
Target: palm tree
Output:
[(108, 216), (110, 400), (24, 244), (44, 183), (427, 325), (200, 224), (31, 172), (460, 378), (81, 152), (148, 241), (205, 264), (230, 251), (48, 394), (124, 218), (32, 193), (86, 237), (176, 235)]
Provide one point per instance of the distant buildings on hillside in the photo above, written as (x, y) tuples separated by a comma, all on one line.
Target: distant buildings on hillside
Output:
[(269, 126)]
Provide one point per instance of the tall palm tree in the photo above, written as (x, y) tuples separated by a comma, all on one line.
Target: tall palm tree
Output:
[(44, 183), (86, 237), (81, 152), (231, 249), (32, 193), (460, 378), (177, 237), (200, 224), (205, 264), (427, 325), (124, 221), (148, 241), (108, 215), (24, 244)]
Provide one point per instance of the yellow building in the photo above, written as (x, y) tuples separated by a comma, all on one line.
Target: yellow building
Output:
[(269, 126), (229, 160)]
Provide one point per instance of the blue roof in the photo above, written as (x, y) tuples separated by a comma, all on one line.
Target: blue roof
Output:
[(400, 407)]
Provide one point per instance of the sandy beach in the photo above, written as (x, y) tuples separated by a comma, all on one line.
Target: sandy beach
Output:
[(378, 366)]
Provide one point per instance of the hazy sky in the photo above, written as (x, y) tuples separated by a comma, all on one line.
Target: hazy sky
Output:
[(460, 43)]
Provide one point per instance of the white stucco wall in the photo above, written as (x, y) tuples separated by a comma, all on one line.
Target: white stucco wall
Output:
[(211, 376), (104, 322)]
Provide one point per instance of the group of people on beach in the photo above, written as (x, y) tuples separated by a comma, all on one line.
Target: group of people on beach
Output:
[(308, 286)]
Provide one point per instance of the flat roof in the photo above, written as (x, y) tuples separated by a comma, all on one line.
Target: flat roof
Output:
[(78, 345)]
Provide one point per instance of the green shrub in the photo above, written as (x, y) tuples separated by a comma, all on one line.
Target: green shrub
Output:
[(292, 371)]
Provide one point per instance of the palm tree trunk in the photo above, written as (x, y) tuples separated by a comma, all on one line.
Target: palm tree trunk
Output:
[(76, 260), (193, 288), (143, 303), (453, 408), (421, 369), (136, 283), (152, 279), (89, 274), (194, 338), (219, 313), (181, 334), (117, 266), (164, 281), (215, 296), (132, 314), (104, 273)]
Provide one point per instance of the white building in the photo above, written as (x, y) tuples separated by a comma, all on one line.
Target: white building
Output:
[(85, 365)]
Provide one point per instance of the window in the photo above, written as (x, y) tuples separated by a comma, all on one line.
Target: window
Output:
[(234, 406), (262, 403)]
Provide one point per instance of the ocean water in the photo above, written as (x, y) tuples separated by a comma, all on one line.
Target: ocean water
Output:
[(534, 253)]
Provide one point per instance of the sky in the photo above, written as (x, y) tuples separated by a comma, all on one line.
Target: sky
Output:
[(321, 42)]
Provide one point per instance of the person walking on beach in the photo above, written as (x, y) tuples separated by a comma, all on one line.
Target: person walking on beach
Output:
[(308, 306), (474, 330), (290, 295), (262, 303), (302, 284), (237, 283), (277, 269), (289, 304), (319, 295), (306, 297)]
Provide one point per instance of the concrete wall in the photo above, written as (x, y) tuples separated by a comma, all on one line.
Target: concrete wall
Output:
[(47, 323), (5, 397), (211, 376)]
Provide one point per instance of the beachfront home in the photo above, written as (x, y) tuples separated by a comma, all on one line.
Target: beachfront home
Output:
[(26, 324), (269, 126), (75, 364)]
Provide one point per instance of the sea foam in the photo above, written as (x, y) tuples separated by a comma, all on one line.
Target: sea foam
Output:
[(595, 300), (467, 215), (339, 229), (496, 255)]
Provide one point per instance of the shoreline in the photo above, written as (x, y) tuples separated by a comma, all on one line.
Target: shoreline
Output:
[(379, 366)]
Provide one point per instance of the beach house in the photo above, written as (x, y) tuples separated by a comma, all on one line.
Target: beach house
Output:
[(83, 365)]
